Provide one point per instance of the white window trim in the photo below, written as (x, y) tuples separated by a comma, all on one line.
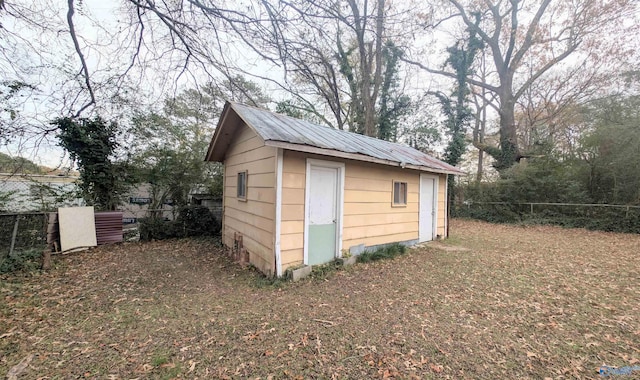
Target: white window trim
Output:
[(393, 194), (246, 185)]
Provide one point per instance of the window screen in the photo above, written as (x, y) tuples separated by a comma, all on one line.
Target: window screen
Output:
[(242, 185), (399, 193)]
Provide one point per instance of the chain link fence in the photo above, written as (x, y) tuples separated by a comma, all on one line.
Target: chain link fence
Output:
[(606, 217), (23, 237), (36, 192)]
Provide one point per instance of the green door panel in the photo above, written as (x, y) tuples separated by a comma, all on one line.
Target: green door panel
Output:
[(322, 243)]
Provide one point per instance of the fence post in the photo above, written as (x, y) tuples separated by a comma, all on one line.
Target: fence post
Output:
[(14, 235), (531, 209)]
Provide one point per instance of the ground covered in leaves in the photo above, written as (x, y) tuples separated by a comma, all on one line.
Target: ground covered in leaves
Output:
[(522, 302)]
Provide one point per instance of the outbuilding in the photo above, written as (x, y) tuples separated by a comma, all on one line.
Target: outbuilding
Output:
[(298, 193)]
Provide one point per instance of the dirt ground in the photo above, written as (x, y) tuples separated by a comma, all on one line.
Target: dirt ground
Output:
[(522, 302)]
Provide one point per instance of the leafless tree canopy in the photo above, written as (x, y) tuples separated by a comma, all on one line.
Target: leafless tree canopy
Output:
[(526, 41), (327, 58)]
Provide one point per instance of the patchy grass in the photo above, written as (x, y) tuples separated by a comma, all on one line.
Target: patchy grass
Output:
[(388, 252), (523, 302), (25, 261)]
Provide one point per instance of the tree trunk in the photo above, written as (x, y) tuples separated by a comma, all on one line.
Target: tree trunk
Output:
[(509, 152), (480, 166)]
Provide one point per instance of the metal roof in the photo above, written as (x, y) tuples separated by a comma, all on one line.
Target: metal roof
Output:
[(297, 134)]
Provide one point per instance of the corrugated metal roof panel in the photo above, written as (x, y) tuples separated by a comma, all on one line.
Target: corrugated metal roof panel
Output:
[(108, 227), (276, 127)]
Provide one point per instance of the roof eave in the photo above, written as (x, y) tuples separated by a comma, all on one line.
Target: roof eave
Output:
[(356, 156), (214, 154), (222, 137)]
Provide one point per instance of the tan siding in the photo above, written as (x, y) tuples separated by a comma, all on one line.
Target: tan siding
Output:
[(442, 204), (291, 241), (292, 212), (293, 180), (398, 217), (260, 194), (292, 227), (369, 216), (263, 237), (255, 217), (247, 145), (262, 209), (294, 163), (374, 230), (260, 166), (370, 209), (292, 257), (383, 239), (251, 218), (251, 156), (292, 196)]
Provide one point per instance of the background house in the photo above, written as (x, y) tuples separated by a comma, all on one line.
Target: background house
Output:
[(301, 193), (34, 192)]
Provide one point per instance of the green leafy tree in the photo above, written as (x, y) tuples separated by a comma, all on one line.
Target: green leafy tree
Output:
[(169, 145), (393, 104), (92, 144), (611, 150), (12, 124), (456, 107), (171, 159), (17, 165)]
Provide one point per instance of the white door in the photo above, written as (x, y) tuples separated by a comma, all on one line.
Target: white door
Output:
[(428, 202), (322, 214)]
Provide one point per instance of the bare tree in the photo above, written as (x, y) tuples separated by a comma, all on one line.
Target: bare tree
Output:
[(528, 40), (74, 61), (336, 52)]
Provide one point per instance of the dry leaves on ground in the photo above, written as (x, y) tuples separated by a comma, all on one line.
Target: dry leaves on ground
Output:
[(522, 302)]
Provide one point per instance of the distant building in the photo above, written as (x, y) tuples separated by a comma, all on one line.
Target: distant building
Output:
[(35, 192)]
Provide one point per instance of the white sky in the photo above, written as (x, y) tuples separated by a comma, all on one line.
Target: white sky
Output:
[(53, 53)]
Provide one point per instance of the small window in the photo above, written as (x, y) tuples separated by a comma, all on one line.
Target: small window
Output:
[(399, 193), (242, 185)]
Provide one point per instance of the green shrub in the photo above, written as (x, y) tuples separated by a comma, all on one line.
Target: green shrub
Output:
[(197, 221), (543, 180), (26, 261), (191, 221), (592, 218), (387, 252), (156, 229)]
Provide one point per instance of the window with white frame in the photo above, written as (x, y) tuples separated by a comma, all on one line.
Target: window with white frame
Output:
[(242, 185), (399, 193)]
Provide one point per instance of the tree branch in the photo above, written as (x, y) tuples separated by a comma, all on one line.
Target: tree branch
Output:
[(528, 40), (544, 69), (84, 70), (450, 75), (513, 31)]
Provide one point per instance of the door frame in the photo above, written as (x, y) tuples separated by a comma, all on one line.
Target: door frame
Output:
[(339, 202), (434, 224)]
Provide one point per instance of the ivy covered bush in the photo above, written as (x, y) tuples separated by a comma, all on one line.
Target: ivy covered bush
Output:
[(192, 220)]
